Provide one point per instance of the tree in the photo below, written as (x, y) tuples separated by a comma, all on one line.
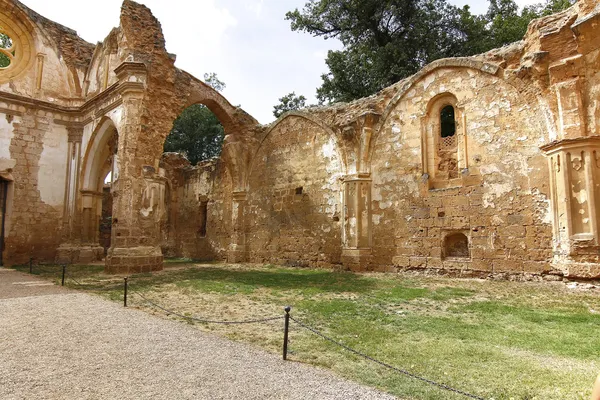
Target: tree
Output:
[(213, 81), (289, 102), (5, 43), (388, 40), (197, 132)]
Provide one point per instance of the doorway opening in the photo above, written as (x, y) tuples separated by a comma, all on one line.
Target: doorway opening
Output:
[(3, 199)]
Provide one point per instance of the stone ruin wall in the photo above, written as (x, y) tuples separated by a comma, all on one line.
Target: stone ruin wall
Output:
[(190, 187), (501, 200), (293, 209), (511, 104), (367, 185)]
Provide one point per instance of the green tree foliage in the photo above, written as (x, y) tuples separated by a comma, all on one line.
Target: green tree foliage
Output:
[(5, 43), (197, 132), (388, 40), (289, 102), (213, 81)]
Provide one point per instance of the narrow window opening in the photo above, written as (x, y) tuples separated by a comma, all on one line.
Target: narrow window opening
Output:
[(203, 218), (447, 122), (3, 198), (299, 190)]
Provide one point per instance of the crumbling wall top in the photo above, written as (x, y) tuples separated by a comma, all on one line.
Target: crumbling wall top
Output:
[(75, 51)]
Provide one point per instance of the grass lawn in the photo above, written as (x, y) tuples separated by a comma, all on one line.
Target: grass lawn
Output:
[(497, 340)]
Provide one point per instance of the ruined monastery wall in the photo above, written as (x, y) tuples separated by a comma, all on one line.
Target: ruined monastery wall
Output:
[(500, 197), (293, 208), (480, 165), (199, 204)]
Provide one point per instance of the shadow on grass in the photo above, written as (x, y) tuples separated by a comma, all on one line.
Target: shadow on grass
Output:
[(222, 279)]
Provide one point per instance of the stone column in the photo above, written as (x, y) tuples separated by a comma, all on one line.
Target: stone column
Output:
[(237, 248), (575, 190), (138, 193), (574, 166), (357, 224), (79, 245), (356, 217), (72, 181), (236, 156)]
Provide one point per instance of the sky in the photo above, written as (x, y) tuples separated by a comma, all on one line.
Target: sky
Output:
[(248, 43)]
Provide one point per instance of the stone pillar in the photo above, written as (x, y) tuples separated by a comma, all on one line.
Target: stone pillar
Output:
[(237, 248), (139, 191), (80, 245), (72, 181), (356, 217), (575, 189), (356, 196), (574, 166)]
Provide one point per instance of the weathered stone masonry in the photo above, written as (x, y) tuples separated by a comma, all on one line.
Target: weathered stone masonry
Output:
[(487, 164)]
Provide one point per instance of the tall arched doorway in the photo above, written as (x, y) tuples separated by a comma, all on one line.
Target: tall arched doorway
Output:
[(100, 170)]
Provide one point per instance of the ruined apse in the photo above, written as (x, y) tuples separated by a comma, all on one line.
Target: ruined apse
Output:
[(481, 165)]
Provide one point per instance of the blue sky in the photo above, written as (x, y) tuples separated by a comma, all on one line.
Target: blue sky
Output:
[(246, 42)]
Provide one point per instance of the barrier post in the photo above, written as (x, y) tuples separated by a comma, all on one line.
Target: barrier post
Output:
[(64, 269), (286, 330), (125, 292)]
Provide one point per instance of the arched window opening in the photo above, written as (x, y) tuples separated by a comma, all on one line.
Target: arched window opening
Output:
[(447, 122), (7, 50), (456, 245), (197, 133), (442, 139)]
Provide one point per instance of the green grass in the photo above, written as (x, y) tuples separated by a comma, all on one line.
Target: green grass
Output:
[(500, 340)]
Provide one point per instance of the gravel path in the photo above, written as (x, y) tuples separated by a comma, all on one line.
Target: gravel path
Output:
[(76, 346)]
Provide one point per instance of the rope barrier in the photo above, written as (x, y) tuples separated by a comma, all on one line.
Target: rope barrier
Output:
[(74, 280), (307, 327), (383, 364)]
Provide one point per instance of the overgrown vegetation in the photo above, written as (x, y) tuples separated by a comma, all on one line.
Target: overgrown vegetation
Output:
[(498, 340)]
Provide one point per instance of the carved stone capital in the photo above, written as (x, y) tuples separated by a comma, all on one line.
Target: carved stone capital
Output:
[(75, 133)]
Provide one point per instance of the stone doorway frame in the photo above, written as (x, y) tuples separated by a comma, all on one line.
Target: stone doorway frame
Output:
[(3, 202)]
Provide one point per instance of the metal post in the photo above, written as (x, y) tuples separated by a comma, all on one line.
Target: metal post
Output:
[(31, 265), (125, 292), (63, 274), (285, 331)]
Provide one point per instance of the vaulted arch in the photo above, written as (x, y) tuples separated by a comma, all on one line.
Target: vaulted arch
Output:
[(98, 152)]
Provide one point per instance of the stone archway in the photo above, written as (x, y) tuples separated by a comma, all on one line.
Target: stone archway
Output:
[(99, 160), (139, 195)]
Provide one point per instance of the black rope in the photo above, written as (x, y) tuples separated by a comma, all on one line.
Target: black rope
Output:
[(402, 371), (74, 280), (248, 321)]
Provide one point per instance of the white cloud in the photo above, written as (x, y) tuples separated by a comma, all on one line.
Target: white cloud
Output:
[(256, 6)]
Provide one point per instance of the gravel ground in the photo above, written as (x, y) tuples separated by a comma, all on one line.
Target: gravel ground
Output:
[(16, 284), (77, 346)]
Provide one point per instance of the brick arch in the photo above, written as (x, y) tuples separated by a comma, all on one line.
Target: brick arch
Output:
[(234, 119)]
